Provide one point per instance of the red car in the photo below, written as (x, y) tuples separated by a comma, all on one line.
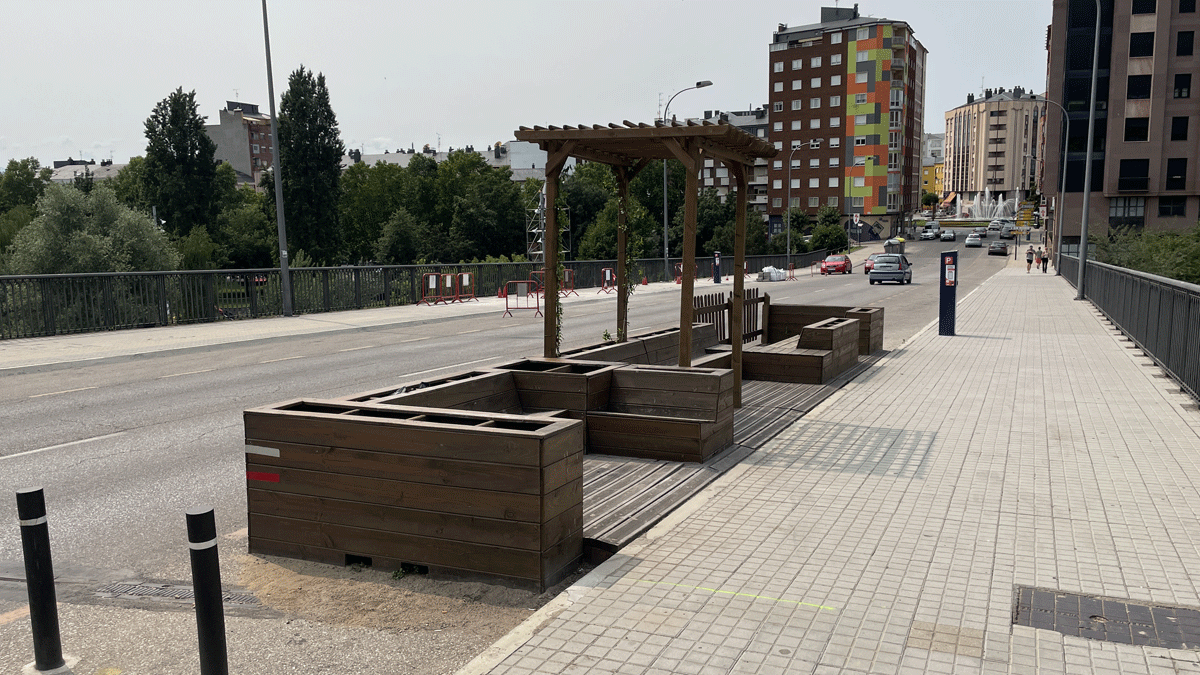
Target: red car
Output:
[(836, 263), (869, 263)]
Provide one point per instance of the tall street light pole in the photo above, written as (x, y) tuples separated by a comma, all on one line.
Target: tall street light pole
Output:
[(787, 211), (1062, 188), (1087, 172), (285, 275), (666, 116)]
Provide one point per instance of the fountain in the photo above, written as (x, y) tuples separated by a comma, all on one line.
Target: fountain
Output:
[(985, 207)]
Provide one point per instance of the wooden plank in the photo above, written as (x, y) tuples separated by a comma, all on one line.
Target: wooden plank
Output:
[(561, 499), (561, 560), (637, 425), (561, 472), (637, 494), (636, 524), (602, 498)]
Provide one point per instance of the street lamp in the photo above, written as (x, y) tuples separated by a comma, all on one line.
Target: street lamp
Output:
[(1062, 189), (1087, 171), (285, 275), (666, 250)]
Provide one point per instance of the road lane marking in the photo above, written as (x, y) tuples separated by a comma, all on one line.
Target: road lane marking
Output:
[(286, 358), (469, 331), (65, 445), (65, 391), (193, 372), (354, 349), (9, 617), (457, 365), (414, 340)]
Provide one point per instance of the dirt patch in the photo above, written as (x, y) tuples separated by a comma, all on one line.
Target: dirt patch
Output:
[(368, 598)]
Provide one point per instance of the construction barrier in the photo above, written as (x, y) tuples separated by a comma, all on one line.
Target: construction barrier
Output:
[(432, 291), (466, 287), (568, 283), (679, 273), (791, 271), (608, 281), (522, 295)]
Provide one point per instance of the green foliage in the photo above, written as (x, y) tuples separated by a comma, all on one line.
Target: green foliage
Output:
[(397, 242), (84, 182), (586, 191), (723, 240), (198, 251), (928, 199), (23, 181), (1175, 255), (371, 195), (600, 241), (75, 232), (299, 258), (247, 238), (180, 165), (647, 188), (13, 221), (310, 158), (831, 237), (829, 215), (129, 185)]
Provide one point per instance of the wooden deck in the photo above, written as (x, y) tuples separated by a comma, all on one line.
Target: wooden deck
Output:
[(624, 497)]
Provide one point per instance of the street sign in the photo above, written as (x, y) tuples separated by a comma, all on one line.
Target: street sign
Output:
[(856, 219)]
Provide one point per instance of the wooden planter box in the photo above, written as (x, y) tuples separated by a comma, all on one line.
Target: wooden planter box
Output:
[(485, 391), (468, 492), (560, 384), (839, 336), (654, 348), (785, 321), (664, 412)]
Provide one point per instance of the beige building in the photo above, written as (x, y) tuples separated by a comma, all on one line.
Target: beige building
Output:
[(992, 145), (243, 138)]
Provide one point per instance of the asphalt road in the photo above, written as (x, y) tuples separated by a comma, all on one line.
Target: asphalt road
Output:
[(124, 447)]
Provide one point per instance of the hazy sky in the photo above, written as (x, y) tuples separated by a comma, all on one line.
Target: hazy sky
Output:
[(82, 77)]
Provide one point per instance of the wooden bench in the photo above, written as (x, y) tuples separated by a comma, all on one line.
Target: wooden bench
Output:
[(823, 351), (665, 412), (785, 321), (467, 492)]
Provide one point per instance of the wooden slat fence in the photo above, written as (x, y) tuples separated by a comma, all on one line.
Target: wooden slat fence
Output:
[(717, 308)]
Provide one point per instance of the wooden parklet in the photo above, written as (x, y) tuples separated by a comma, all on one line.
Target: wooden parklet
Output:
[(469, 492), (785, 321)]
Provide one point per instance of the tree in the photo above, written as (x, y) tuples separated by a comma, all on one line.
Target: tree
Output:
[(647, 188), (928, 199), (371, 195), (22, 182), (76, 232), (310, 158), (180, 165), (397, 243), (1175, 255), (129, 185)]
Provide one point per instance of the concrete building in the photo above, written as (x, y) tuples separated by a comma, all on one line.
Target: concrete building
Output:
[(847, 100), (992, 145), (243, 138), (1146, 145), (931, 177), (66, 171), (715, 175)]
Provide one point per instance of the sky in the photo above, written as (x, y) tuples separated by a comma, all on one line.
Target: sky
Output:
[(80, 78)]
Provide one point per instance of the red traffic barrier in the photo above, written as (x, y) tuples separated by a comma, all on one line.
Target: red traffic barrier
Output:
[(608, 281)]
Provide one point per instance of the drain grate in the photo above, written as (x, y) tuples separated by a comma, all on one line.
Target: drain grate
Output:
[(168, 592), (1107, 619)]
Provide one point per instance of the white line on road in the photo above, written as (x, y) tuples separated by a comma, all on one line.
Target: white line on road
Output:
[(414, 340), (354, 349), (56, 393), (65, 445), (286, 358), (469, 331), (193, 372), (457, 365)]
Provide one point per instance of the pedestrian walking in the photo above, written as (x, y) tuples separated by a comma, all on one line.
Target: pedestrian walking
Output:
[(1037, 258), (1028, 260), (1045, 261)]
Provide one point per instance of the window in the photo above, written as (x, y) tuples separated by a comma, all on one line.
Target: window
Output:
[(778, 86), (894, 119), (1137, 129), (814, 162), (814, 123), (797, 163), (778, 126), (1134, 176), (893, 140), (777, 164), (797, 64), (777, 184), (815, 144), (797, 125), (762, 132), (778, 145), (814, 183), (835, 122), (1139, 86), (1126, 207), (795, 183), (778, 106), (1144, 7), (862, 56), (797, 104), (1141, 44), (893, 160), (896, 98), (1172, 207), (832, 201), (835, 161), (777, 202), (860, 99), (860, 181), (814, 62), (814, 202), (860, 120), (835, 59), (862, 34), (835, 81), (860, 140), (835, 142), (778, 66), (836, 38), (833, 181), (1187, 6), (1183, 85), (1176, 174), (1179, 128), (859, 78), (797, 85), (815, 83), (814, 102), (835, 101), (856, 202), (794, 203), (1183, 42), (254, 148)]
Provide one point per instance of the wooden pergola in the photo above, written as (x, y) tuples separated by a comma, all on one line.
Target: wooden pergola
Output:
[(628, 149)]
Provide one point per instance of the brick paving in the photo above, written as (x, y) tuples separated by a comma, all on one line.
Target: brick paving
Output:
[(889, 530)]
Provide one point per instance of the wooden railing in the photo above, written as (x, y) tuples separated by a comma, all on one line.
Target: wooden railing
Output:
[(717, 309)]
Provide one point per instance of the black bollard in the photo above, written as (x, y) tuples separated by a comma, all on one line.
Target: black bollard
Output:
[(39, 579), (206, 583)]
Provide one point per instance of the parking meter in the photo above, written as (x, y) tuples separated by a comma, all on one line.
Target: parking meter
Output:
[(949, 286), (716, 267)]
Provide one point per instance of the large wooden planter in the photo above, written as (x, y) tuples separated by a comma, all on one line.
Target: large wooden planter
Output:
[(654, 348), (470, 492), (824, 350), (560, 384), (785, 321), (485, 391)]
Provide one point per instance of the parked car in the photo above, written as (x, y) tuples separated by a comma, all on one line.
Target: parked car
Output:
[(891, 267), (870, 262), (973, 241), (836, 263), (998, 248), (949, 235), (981, 231)]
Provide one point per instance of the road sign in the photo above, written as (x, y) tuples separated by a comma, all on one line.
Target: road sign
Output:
[(856, 219)]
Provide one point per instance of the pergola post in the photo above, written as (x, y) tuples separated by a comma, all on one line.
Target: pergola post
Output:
[(738, 171), (688, 154), (555, 159), (622, 242)]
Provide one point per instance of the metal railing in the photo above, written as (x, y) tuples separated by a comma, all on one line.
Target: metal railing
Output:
[(59, 304), (1160, 315)]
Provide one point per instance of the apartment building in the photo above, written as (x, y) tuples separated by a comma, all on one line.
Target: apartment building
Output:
[(1146, 144), (992, 145), (931, 176), (847, 99), (243, 138), (714, 174)]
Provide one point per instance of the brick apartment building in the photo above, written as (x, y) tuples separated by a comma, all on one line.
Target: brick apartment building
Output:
[(847, 99)]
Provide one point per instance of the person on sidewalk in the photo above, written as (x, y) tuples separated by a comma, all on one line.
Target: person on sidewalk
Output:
[(1045, 261), (1037, 258), (1028, 260)]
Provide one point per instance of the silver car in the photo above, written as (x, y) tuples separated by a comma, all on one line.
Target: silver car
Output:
[(891, 267), (949, 235)]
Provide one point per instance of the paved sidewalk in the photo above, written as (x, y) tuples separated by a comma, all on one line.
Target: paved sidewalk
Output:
[(888, 531)]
